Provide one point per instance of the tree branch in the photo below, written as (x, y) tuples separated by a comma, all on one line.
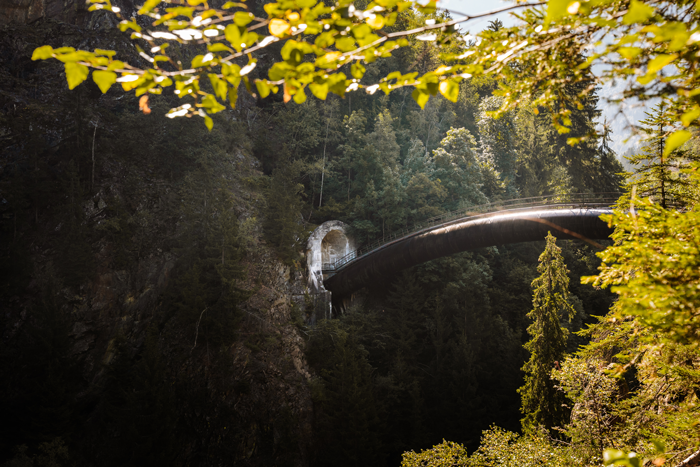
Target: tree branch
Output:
[(691, 461)]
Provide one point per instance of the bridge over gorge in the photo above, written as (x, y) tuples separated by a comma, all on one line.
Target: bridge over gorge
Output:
[(336, 265)]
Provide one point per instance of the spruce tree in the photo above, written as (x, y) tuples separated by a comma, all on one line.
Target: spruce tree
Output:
[(656, 175), (542, 403), (497, 143)]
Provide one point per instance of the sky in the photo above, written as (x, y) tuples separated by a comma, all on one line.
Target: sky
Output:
[(618, 117)]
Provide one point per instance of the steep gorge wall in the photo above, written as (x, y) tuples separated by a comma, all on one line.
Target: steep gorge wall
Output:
[(242, 401)]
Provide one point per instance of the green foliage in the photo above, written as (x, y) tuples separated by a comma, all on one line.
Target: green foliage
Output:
[(205, 290), (661, 175), (458, 170), (284, 227), (319, 40), (444, 364), (542, 403), (630, 458), (349, 420), (497, 145), (498, 448), (446, 454), (501, 448), (653, 269)]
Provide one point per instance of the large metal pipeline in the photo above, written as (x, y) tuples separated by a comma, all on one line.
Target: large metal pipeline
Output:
[(464, 235)]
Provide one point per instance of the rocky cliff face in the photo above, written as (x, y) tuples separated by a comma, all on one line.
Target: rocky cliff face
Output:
[(94, 200)]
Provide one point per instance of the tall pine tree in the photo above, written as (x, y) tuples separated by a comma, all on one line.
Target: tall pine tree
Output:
[(657, 175), (542, 403)]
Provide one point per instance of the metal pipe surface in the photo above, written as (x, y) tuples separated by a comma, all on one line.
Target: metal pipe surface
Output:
[(468, 234)]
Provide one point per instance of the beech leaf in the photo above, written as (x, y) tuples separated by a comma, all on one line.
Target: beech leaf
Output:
[(76, 74), (104, 79), (42, 53)]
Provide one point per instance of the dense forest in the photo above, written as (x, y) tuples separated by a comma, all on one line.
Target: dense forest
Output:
[(153, 291)]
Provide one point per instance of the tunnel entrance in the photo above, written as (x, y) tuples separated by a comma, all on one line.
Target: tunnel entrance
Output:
[(328, 243), (334, 246)]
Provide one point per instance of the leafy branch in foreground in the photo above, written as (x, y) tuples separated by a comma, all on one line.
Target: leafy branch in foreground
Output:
[(654, 50)]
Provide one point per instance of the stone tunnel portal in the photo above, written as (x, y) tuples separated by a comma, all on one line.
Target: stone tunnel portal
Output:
[(334, 246), (329, 242)]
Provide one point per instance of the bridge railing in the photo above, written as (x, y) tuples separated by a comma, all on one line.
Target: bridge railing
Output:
[(467, 212)]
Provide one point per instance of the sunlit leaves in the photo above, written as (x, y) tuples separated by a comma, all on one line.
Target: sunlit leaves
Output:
[(654, 269), (126, 25), (300, 96), (337, 32), (231, 73), (219, 85), (345, 44), (278, 27), (618, 457), (638, 12), (76, 74), (233, 97), (688, 117), (328, 60), (263, 88), (234, 36), (450, 90), (540, 59), (357, 70), (208, 122), (104, 79), (211, 105), (320, 90), (242, 18), (375, 21), (556, 9), (148, 6), (629, 52), (202, 60), (421, 97), (676, 140), (42, 53), (660, 61)]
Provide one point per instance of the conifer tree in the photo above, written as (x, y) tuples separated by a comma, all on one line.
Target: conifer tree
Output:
[(351, 152), (542, 403), (657, 175), (283, 224), (497, 144)]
